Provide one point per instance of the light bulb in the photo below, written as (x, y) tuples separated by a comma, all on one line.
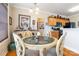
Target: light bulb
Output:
[(36, 12), (31, 10), (37, 9)]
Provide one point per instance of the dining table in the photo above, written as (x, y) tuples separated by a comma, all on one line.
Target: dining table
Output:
[(39, 43)]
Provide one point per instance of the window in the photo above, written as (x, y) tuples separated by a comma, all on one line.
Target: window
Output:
[(3, 22)]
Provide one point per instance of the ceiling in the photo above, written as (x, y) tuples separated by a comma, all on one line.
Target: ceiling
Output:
[(58, 8)]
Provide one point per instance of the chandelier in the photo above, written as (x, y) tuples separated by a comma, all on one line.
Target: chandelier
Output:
[(34, 10)]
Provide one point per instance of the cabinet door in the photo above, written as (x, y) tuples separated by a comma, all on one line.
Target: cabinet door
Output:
[(52, 21), (55, 34)]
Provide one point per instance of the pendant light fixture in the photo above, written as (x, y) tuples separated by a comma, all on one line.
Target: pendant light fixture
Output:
[(34, 10), (36, 7)]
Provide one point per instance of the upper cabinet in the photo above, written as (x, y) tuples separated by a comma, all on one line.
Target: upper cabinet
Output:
[(53, 21)]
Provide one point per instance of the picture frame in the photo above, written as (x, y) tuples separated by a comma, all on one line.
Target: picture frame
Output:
[(10, 20), (24, 21), (40, 23), (33, 22), (78, 23)]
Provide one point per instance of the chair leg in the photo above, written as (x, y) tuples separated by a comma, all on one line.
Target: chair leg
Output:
[(45, 52)]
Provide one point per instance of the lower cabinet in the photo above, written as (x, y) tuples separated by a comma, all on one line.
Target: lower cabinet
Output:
[(55, 34)]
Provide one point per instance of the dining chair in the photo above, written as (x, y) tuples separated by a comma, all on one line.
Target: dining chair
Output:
[(58, 51), (20, 49), (59, 46), (51, 50), (28, 34), (25, 34)]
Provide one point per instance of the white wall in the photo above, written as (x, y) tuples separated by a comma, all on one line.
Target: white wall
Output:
[(71, 40), (75, 18)]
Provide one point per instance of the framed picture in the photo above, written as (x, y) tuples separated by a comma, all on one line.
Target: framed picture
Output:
[(40, 23), (33, 22), (10, 20), (24, 21), (78, 23)]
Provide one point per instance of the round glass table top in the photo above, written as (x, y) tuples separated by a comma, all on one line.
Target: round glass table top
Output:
[(39, 40)]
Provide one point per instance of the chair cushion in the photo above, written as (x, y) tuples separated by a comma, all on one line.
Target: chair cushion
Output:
[(25, 34)]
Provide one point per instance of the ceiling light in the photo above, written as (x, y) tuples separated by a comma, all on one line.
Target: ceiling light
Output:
[(74, 9), (31, 10), (37, 9), (36, 12)]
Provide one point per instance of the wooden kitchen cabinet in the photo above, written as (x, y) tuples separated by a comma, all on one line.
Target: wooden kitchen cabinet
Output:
[(55, 34), (53, 21)]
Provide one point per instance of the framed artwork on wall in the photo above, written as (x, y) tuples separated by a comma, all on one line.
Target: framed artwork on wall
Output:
[(24, 21), (33, 26), (40, 23), (33, 22), (10, 20), (78, 23)]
